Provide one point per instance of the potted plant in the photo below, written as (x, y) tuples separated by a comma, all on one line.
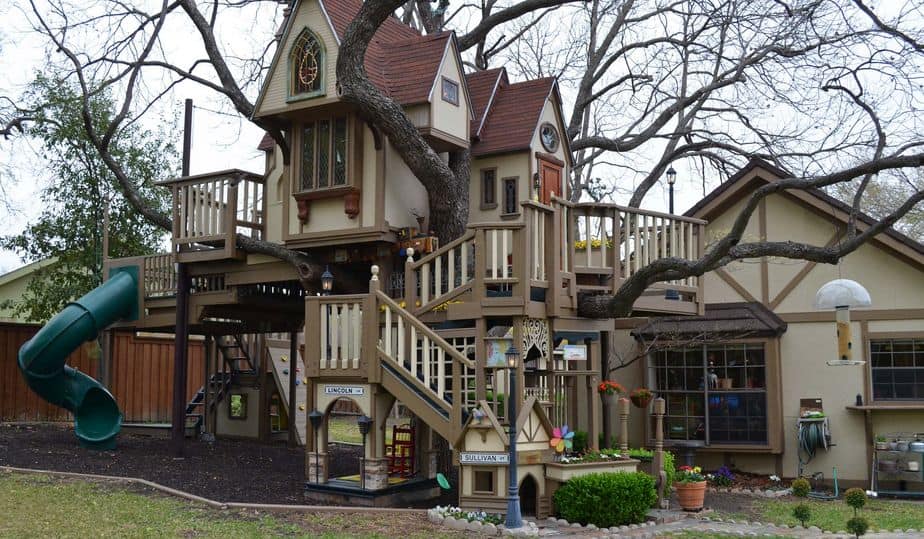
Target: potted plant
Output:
[(690, 484), (641, 396), (881, 443), (609, 387)]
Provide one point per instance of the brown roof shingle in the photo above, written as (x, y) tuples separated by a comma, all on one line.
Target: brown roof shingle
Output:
[(513, 117), (481, 85), (722, 321)]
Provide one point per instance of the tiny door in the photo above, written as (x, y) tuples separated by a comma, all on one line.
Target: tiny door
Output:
[(550, 178)]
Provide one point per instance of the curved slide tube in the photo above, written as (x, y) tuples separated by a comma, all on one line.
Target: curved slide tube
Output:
[(97, 418)]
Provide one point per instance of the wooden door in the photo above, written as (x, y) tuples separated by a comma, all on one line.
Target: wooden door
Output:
[(550, 179)]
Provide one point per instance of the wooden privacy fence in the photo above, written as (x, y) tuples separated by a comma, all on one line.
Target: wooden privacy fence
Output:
[(140, 377)]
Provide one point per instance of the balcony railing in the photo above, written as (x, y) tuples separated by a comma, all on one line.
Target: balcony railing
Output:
[(210, 210)]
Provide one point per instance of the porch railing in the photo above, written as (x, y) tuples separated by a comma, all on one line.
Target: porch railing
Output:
[(209, 210)]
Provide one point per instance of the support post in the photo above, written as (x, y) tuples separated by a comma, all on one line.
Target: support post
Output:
[(657, 462), (624, 424), (181, 332), (180, 363), (514, 517), (293, 364)]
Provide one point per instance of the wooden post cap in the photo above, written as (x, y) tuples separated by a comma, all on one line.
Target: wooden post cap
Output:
[(624, 406), (375, 272), (659, 406)]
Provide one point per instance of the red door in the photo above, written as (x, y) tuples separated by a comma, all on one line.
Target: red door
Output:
[(550, 178)]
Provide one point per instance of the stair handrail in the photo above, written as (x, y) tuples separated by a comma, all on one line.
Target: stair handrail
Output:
[(412, 268)]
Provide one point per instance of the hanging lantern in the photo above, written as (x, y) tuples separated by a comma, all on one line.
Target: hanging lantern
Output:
[(841, 295)]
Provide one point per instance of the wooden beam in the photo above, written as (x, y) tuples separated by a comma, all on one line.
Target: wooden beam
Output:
[(764, 263), (808, 267)]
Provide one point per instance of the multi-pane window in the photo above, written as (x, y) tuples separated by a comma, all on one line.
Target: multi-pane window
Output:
[(450, 91), (510, 195), (713, 393), (489, 188), (897, 367), (324, 154)]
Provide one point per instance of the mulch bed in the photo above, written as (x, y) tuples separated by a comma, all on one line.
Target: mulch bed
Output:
[(223, 470)]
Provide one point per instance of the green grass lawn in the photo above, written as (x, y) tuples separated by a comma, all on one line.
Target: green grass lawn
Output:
[(883, 514), (345, 429), (44, 506)]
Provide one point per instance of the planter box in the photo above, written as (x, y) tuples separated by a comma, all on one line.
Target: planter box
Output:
[(557, 471)]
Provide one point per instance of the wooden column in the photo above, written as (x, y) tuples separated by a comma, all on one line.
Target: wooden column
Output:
[(293, 364), (623, 424), (657, 462)]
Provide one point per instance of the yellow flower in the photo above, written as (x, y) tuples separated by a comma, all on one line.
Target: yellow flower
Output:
[(697, 469)]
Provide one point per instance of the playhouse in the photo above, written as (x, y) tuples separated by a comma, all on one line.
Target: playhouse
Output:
[(397, 317)]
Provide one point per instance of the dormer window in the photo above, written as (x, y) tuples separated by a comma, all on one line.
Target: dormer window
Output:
[(306, 66)]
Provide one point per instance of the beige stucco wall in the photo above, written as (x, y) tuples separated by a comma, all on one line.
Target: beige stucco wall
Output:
[(276, 176), (449, 118), (13, 291), (508, 166), (893, 283), (403, 192), (241, 428), (308, 15)]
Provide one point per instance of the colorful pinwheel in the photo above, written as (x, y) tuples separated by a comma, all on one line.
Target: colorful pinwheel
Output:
[(562, 439)]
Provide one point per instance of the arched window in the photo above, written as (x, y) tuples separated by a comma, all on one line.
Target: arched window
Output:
[(306, 65)]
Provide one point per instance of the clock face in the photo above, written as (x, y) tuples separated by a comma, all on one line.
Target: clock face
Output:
[(549, 137)]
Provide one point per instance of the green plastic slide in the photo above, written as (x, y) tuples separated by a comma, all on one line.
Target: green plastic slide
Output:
[(97, 418)]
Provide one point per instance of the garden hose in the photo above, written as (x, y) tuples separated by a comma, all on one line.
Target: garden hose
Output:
[(811, 437)]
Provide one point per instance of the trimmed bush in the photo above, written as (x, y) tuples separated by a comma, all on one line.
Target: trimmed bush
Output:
[(606, 499), (670, 471), (858, 526), (802, 513), (856, 498), (580, 441), (801, 487)]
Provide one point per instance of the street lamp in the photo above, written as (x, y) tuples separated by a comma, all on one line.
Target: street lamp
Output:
[(327, 282), (671, 179), (365, 425), (514, 518), (316, 418)]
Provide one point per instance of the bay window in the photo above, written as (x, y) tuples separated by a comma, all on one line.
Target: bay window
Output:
[(323, 154)]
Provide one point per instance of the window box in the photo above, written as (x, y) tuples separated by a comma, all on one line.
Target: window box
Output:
[(561, 471)]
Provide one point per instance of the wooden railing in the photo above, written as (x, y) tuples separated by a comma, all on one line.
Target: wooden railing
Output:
[(338, 323), (159, 276), (440, 276), (209, 210), (609, 239)]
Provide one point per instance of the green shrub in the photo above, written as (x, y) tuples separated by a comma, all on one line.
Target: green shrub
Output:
[(606, 499), (579, 441), (641, 454), (802, 513), (857, 526), (801, 487), (670, 471), (856, 498)]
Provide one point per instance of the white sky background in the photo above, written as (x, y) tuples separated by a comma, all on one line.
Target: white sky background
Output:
[(221, 138)]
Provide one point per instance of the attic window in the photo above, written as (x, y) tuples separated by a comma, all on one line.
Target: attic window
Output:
[(450, 91), (306, 66)]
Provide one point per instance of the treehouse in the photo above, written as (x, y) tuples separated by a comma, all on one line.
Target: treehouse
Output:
[(406, 319)]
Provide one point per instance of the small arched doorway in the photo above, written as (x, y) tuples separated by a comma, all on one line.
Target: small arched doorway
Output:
[(529, 496)]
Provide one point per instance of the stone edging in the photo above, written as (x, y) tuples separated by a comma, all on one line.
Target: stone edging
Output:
[(212, 503), (562, 523), (529, 529)]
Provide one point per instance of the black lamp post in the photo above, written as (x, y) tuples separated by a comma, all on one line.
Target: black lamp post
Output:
[(327, 282), (316, 418), (365, 425), (514, 517), (671, 178)]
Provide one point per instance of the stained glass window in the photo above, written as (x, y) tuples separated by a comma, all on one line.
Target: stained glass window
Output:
[(308, 157), (307, 64), (324, 154)]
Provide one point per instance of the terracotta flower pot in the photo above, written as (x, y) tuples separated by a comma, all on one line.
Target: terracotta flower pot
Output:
[(691, 495)]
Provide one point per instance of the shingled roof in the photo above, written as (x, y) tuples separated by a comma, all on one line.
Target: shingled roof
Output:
[(721, 321), (482, 86), (513, 117)]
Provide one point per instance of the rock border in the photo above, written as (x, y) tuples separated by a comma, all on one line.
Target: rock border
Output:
[(435, 515), (755, 492)]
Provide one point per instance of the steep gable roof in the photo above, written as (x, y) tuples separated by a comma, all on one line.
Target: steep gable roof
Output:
[(513, 117), (757, 171), (483, 87)]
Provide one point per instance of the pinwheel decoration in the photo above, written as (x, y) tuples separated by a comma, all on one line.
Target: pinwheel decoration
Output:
[(562, 439)]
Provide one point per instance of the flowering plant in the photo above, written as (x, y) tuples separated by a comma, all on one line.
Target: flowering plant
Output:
[(470, 516), (722, 477), (687, 474), (610, 387)]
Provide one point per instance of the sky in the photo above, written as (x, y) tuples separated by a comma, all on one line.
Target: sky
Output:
[(221, 139)]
